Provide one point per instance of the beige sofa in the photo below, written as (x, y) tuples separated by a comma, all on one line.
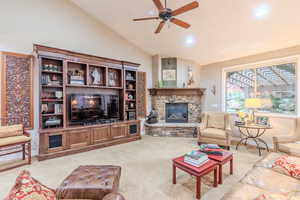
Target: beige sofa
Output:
[(215, 128), (289, 143), (263, 179)]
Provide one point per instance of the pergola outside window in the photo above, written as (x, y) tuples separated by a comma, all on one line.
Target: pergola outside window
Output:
[(274, 84)]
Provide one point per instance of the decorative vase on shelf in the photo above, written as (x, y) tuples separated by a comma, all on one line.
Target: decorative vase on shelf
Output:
[(58, 94), (96, 77), (160, 84), (130, 86)]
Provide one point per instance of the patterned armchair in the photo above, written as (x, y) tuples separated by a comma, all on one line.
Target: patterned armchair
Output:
[(290, 143), (216, 129)]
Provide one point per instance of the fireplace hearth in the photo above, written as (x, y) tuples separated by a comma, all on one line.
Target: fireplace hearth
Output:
[(176, 112)]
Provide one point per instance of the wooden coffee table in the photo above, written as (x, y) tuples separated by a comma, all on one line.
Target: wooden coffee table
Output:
[(222, 160), (198, 172)]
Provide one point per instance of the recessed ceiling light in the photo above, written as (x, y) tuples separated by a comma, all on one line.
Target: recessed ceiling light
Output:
[(151, 13), (262, 11), (190, 40)]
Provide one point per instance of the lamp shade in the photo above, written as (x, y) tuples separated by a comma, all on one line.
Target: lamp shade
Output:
[(253, 103)]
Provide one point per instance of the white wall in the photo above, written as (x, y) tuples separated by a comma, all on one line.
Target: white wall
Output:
[(61, 24), (182, 71)]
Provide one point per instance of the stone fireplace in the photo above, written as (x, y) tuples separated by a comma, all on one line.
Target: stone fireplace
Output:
[(179, 110), (176, 112), (191, 97)]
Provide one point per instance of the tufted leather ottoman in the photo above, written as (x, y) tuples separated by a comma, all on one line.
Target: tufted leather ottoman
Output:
[(90, 182), (113, 196)]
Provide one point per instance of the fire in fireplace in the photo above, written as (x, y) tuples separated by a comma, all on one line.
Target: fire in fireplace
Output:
[(176, 112)]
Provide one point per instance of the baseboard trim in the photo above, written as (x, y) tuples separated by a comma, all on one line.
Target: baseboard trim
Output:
[(42, 157)]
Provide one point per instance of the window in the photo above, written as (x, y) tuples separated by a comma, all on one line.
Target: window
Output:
[(275, 85)]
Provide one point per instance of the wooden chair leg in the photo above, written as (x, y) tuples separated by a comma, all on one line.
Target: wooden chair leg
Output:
[(29, 153), (23, 151)]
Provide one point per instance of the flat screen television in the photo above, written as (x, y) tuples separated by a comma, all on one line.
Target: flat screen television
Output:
[(93, 107)]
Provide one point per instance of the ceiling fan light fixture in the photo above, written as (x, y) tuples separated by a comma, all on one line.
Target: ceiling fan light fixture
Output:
[(167, 15)]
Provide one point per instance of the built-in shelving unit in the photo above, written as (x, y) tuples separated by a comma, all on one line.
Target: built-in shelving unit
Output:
[(130, 93), (63, 73), (52, 93)]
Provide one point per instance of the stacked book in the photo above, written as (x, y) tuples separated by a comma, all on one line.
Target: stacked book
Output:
[(79, 80), (211, 149), (195, 158)]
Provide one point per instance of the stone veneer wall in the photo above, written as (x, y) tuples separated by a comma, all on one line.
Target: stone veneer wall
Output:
[(194, 105), (172, 131)]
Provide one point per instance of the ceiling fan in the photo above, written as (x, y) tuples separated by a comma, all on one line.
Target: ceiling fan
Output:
[(167, 14)]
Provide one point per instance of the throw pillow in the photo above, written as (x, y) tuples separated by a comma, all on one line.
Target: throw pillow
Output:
[(288, 165), (9, 131), (273, 196), (297, 197), (216, 120), (27, 188)]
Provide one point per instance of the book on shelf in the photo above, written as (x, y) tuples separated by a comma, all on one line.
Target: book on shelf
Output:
[(196, 158)]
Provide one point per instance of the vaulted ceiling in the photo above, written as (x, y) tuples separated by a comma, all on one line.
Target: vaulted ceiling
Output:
[(221, 29)]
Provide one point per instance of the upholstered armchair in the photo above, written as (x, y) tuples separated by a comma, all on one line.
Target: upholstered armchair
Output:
[(215, 128), (290, 143)]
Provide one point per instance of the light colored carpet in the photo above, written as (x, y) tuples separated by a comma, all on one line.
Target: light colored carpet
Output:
[(146, 169)]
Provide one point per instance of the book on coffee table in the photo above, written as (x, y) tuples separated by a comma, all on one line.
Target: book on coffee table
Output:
[(195, 158), (211, 149)]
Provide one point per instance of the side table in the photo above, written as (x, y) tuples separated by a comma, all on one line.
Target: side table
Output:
[(256, 137), (222, 160), (198, 172)]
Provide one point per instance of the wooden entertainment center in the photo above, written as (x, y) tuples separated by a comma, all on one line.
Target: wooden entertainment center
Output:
[(73, 87)]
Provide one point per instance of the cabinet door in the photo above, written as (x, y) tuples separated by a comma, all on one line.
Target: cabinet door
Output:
[(52, 142), (119, 130), (134, 128), (141, 86), (100, 134), (78, 138)]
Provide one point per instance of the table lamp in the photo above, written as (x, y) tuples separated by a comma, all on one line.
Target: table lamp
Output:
[(253, 104)]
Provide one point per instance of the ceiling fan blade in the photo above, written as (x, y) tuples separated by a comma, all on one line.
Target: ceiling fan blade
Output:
[(145, 18), (160, 26), (180, 23), (158, 4), (185, 8)]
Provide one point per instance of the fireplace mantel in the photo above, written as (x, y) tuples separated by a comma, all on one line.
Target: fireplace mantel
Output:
[(176, 91)]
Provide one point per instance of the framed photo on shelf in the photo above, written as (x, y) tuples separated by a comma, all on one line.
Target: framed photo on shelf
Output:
[(262, 120)]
